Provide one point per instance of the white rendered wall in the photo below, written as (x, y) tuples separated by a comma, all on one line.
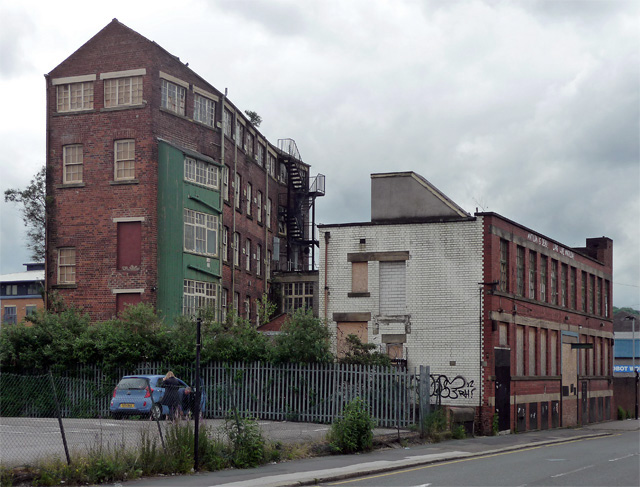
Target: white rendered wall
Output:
[(442, 293)]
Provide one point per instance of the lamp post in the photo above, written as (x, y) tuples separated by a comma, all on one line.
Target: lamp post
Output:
[(633, 356)]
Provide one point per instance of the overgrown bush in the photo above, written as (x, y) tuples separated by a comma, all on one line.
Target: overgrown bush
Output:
[(458, 432), (353, 432), (247, 442), (361, 353), (304, 339), (434, 424)]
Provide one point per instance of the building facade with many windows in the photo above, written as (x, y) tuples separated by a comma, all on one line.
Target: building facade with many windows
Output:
[(21, 293), (511, 322), (163, 191)]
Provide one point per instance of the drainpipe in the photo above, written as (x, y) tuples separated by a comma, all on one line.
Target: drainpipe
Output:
[(46, 186), (265, 257), (234, 133), (222, 206), (327, 236)]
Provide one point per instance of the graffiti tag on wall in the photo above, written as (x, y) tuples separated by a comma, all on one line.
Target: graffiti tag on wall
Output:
[(456, 388)]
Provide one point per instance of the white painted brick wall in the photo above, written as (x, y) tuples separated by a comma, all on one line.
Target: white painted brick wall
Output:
[(442, 291)]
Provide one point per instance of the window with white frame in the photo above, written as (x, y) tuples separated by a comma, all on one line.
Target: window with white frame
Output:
[(227, 120), (225, 183), (225, 244), (236, 303), (72, 160), (236, 190), (200, 232), (261, 150), (298, 295), (247, 308), (224, 305), (268, 213), (247, 251), (250, 139), (282, 177), (267, 268), (236, 249), (125, 155), (198, 295), (173, 97), (30, 309), (204, 110), (240, 134), (259, 206), (271, 163), (67, 265), (75, 96), (123, 91), (249, 196), (201, 172), (259, 259)]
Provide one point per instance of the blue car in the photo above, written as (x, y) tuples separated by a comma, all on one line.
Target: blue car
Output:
[(141, 395)]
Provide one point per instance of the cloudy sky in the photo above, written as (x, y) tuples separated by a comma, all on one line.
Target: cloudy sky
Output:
[(527, 108)]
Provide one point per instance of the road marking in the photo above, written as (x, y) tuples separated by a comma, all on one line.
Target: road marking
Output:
[(556, 460), (622, 458), (572, 471)]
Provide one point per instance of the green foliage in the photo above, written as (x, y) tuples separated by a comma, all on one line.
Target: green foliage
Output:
[(495, 425), (265, 309), (434, 424), (627, 310), (254, 118), (235, 340), (363, 353), (247, 442), (304, 339), (458, 432), (354, 431), (33, 209)]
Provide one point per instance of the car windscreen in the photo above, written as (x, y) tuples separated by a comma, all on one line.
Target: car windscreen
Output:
[(132, 383)]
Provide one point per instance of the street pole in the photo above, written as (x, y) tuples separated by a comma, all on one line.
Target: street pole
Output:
[(198, 393)]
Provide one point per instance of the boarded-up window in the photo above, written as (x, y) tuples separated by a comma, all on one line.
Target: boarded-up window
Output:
[(553, 349), (357, 328), (360, 277), (504, 335), (394, 351), (129, 244), (393, 288), (127, 299), (532, 351), (519, 350), (543, 352)]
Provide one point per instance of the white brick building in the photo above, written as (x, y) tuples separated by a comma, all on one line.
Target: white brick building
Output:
[(409, 284)]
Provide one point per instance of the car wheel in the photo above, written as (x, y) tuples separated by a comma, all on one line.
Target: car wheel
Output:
[(156, 412)]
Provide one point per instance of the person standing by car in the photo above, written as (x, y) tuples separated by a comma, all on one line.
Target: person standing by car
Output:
[(171, 397), (188, 402)]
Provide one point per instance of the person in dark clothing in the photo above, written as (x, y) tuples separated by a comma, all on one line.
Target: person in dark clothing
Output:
[(188, 402), (171, 397)]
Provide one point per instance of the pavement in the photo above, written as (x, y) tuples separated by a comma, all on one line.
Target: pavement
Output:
[(394, 456)]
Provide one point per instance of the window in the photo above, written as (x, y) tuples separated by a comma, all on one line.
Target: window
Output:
[(127, 299), (129, 245), (200, 232), (10, 290), (504, 265), (30, 309), (75, 96), (532, 275), (392, 282), (173, 97), (225, 182), (249, 191), (201, 173), (123, 91), (225, 244), (224, 304), (240, 134), (360, 277), (572, 288), (267, 269), (271, 165), (261, 150), (269, 213), (543, 352), (227, 120), (204, 110), (298, 295), (282, 176), (236, 303), (543, 278), (236, 190), (259, 259), (247, 251), (583, 287), (599, 297), (554, 281), (532, 352), (519, 350), (67, 265), (10, 315), (236, 249), (72, 160), (259, 206), (591, 292), (563, 285), (247, 308), (520, 270), (250, 141), (125, 153), (606, 298), (198, 295)]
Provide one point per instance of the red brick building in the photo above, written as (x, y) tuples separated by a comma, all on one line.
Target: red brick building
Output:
[(163, 190), (548, 336)]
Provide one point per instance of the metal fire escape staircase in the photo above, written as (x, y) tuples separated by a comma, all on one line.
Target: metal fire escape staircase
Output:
[(298, 204)]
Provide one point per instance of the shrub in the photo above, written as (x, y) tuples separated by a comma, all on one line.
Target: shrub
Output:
[(458, 432), (622, 414), (247, 442), (434, 424), (354, 431), (363, 353)]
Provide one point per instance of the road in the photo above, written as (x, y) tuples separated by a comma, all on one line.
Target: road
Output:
[(611, 461)]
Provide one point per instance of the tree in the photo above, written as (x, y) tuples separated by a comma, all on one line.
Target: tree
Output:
[(363, 353), (304, 339), (254, 118), (33, 200)]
